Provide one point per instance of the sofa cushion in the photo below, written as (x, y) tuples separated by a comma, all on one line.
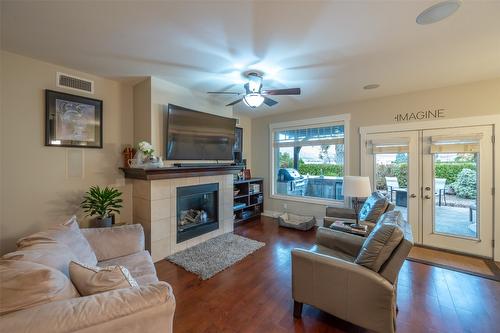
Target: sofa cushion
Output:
[(139, 264), (90, 280), (25, 284), (379, 245), (68, 234), (374, 206), (55, 255)]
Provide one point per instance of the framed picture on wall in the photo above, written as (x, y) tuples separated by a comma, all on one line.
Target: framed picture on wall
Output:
[(238, 145), (72, 121)]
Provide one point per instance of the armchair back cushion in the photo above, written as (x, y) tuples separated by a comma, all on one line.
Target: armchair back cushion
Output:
[(379, 245), (68, 234), (374, 206), (25, 284)]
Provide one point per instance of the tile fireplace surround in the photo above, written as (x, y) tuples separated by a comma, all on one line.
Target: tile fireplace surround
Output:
[(155, 203)]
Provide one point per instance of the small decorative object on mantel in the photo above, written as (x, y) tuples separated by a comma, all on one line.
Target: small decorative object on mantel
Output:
[(247, 174), (128, 154), (144, 158), (102, 203), (72, 121)]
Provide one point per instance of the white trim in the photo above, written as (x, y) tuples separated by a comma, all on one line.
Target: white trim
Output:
[(445, 123), (271, 213), (345, 119)]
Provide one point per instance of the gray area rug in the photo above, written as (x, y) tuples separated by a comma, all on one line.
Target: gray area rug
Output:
[(215, 255)]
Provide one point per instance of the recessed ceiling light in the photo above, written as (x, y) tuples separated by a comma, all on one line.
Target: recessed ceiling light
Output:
[(438, 12), (371, 86)]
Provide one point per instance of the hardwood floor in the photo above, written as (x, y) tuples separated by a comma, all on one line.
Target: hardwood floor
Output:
[(254, 295)]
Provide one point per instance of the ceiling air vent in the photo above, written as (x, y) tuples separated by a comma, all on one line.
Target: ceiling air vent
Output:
[(75, 83)]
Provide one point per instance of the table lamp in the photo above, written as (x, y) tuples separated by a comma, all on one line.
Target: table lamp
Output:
[(356, 187)]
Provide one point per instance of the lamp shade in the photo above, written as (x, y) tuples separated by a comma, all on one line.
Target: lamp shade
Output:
[(356, 187)]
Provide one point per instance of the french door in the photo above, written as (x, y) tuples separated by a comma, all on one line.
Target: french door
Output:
[(441, 180)]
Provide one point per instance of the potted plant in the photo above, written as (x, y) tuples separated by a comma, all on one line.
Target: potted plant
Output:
[(102, 202)]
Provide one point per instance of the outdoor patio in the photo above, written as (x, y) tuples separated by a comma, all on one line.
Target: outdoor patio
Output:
[(452, 220)]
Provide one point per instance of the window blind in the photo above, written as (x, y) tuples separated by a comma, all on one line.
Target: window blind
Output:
[(455, 144), (388, 146), (309, 136)]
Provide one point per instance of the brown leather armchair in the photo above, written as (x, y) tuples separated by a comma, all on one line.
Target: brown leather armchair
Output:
[(327, 277)]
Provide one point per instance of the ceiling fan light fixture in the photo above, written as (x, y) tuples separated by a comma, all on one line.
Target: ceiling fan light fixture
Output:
[(253, 100), (438, 12)]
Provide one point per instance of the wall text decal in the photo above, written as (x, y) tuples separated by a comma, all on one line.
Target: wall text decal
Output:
[(420, 115)]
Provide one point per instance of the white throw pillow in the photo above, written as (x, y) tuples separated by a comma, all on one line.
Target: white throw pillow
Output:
[(90, 280)]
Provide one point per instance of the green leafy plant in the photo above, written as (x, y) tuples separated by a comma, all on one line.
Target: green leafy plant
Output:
[(466, 184), (335, 170), (102, 201)]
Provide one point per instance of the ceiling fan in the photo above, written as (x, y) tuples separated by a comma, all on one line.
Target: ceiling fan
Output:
[(254, 95)]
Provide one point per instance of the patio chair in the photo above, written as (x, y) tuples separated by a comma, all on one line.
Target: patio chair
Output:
[(392, 185), (440, 189)]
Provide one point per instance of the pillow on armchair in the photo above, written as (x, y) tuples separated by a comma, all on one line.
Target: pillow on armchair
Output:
[(374, 206)]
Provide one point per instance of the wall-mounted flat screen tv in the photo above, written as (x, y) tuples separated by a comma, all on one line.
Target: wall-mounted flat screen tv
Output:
[(195, 135)]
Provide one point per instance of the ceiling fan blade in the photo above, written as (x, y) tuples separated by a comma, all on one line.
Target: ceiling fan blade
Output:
[(235, 102), (288, 91), (269, 102), (224, 92)]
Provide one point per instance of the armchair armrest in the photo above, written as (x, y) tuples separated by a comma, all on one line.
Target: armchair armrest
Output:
[(144, 309), (109, 243), (339, 213), (343, 289), (338, 240)]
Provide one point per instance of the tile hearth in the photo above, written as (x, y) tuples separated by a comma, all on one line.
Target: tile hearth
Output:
[(155, 203)]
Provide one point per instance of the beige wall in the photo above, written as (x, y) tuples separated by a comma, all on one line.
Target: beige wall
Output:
[(153, 93), (480, 98), (36, 189)]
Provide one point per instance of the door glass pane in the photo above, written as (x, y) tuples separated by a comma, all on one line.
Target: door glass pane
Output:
[(391, 179), (455, 194)]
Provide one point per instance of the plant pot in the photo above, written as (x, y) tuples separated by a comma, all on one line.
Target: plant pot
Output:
[(103, 222)]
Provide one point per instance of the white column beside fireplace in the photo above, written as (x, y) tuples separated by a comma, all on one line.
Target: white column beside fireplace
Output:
[(155, 208)]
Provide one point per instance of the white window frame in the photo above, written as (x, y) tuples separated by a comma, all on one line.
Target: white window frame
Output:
[(320, 121)]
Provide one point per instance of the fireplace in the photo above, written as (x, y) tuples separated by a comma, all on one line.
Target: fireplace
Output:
[(197, 210)]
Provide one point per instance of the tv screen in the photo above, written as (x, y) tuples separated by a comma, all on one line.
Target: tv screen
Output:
[(194, 135)]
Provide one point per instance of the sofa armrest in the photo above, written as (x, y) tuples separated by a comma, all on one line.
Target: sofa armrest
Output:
[(338, 240), (144, 309), (109, 243), (343, 289)]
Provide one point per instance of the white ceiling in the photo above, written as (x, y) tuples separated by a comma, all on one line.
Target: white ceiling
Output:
[(330, 49)]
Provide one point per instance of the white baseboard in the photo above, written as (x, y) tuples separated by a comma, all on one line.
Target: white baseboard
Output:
[(270, 213)]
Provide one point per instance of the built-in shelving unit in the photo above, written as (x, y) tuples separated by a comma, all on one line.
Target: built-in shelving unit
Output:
[(248, 199)]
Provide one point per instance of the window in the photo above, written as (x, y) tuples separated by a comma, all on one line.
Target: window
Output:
[(308, 159)]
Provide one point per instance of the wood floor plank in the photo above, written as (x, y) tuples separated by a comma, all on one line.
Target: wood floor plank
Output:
[(254, 295)]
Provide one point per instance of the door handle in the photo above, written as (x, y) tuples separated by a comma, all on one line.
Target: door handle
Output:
[(427, 196), (428, 188), (413, 195)]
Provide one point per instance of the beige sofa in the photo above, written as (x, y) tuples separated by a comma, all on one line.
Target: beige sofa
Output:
[(147, 308), (329, 277)]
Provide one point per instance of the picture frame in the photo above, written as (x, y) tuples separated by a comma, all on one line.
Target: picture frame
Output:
[(72, 120), (238, 145)]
